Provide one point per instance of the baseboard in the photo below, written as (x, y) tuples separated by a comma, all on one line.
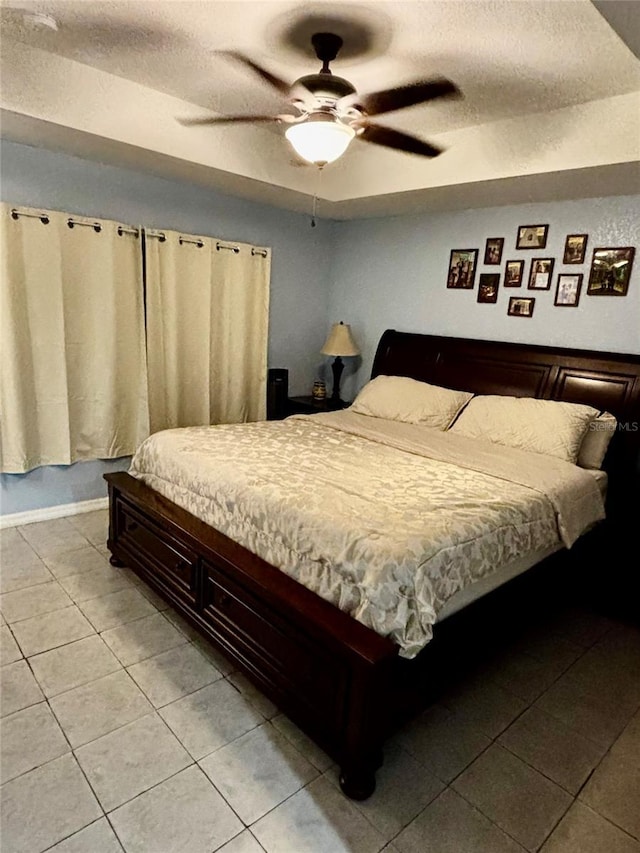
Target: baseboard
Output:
[(47, 513)]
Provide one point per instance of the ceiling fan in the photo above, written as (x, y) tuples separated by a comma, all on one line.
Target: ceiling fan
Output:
[(330, 113)]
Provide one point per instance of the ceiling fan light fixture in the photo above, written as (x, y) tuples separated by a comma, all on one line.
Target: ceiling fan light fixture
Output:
[(320, 140)]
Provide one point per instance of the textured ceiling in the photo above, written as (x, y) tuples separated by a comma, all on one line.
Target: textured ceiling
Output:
[(550, 89)]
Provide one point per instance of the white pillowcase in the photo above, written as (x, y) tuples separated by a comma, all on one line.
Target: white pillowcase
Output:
[(550, 427), (595, 443), (398, 398)]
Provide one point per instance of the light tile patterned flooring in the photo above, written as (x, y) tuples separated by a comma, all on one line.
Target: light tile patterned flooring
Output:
[(121, 729)]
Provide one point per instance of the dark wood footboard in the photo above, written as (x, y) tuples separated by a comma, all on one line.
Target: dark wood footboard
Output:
[(343, 684), (326, 671)]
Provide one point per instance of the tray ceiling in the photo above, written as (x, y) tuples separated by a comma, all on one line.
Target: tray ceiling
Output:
[(551, 105)]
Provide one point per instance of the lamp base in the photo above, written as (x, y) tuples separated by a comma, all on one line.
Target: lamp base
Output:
[(337, 367)]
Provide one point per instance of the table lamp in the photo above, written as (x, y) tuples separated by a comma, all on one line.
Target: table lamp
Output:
[(339, 343)]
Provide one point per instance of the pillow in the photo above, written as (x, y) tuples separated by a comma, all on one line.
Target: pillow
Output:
[(398, 398), (595, 443), (550, 427)]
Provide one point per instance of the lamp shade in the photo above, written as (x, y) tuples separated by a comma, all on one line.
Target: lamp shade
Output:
[(340, 341), (321, 141)]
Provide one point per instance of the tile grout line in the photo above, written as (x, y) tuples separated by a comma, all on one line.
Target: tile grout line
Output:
[(288, 797), (150, 788), (52, 648), (120, 624), (83, 683), (115, 832), (97, 820), (77, 764), (185, 640), (222, 746), (37, 615), (542, 773), (491, 821), (588, 779)]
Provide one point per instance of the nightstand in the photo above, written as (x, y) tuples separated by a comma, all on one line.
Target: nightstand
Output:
[(310, 406)]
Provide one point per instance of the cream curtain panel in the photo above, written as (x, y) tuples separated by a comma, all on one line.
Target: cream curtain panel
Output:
[(72, 356), (207, 330)]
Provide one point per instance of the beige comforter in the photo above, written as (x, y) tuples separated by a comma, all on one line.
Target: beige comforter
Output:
[(385, 520)]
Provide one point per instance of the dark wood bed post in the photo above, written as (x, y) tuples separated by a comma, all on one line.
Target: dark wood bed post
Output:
[(342, 683), (365, 733)]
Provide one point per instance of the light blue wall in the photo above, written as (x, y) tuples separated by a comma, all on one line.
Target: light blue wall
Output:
[(391, 273), (375, 274), (39, 178)]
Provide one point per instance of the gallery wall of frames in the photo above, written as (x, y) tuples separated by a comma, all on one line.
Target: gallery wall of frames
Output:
[(608, 271)]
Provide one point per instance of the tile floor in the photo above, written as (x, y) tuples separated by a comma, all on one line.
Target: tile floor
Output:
[(121, 730)]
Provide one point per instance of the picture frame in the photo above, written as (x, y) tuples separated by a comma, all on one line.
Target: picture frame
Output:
[(532, 237), (488, 285), (462, 269), (493, 251), (575, 249), (610, 271), (521, 306), (540, 274), (513, 273), (568, 290)]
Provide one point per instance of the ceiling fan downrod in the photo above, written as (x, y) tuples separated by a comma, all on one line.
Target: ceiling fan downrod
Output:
[(327, 47)]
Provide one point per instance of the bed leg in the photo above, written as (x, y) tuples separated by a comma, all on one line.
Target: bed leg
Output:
[(115, 561), (358, 783), (358, 778)]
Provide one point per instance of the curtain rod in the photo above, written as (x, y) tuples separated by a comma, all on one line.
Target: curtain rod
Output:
[(95, 225), (125, 229), (234, 249), (196, 242), (41, 216)]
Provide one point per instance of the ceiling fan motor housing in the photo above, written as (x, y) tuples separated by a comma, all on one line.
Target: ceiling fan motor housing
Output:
[(326, 85)]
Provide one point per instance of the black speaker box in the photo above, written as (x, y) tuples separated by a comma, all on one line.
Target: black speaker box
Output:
[(277, 393)]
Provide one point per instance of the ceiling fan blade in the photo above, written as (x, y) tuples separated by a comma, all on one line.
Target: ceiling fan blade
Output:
[(277, 82), (400, 141), (389, 100), (194, 122)]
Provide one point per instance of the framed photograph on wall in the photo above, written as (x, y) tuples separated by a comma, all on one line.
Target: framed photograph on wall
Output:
[(540, 274), (521, 307), (493, 250), (513, 273), (568, 290), (532, 237), (575, 249), (488, 284), (462, 268), (610, 272)]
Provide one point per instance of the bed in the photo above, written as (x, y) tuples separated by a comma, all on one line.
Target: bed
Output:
[(350, 680)]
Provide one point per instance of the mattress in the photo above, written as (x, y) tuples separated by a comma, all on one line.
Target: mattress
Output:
[(507, 572), (387, 521)]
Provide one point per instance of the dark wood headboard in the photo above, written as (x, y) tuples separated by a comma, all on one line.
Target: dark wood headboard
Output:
[(608, 381)]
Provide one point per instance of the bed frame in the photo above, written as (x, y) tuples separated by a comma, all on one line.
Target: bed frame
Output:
[(343, 684)]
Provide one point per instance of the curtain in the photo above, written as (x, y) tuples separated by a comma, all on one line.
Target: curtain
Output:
[(72, 356), (207, 330)]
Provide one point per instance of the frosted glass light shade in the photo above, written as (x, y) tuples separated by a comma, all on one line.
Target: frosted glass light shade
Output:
[(340, 341), (320, 142)]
